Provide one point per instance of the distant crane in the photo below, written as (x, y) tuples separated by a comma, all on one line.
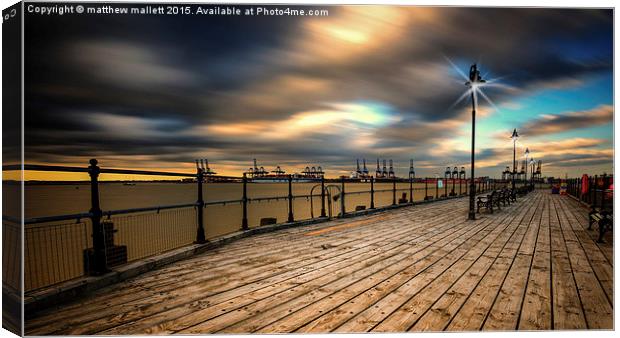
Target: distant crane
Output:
[(411, 170)]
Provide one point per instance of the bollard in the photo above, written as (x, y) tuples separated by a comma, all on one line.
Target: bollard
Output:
[(99, 265), (290, 198), (372, 193), (200, 204), (394, 191), (323, 196), (244, 199), (342, 209)]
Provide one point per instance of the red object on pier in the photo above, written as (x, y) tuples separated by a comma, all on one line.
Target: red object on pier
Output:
[(584, 184)]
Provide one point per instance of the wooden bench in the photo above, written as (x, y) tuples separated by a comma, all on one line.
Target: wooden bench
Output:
[(504, 197), (522, 191), (488, 201), (604, 219), (513, 195)]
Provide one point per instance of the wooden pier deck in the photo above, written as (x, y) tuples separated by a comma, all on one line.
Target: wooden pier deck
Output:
[(531, 266)]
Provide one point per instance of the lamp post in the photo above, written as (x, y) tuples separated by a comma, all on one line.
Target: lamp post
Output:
[(532, 162), (462, 174), (514, 137), (455, 173), (527, 153), (474, 80)]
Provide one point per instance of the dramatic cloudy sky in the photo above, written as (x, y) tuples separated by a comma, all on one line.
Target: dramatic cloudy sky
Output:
[(368, 82)]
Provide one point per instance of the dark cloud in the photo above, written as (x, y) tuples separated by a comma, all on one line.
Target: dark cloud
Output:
[(152, 86)]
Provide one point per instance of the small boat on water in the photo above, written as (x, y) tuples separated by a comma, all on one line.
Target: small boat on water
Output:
[(129, 183)]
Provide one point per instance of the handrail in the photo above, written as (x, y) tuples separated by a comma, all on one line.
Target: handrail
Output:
[(157, 208), (40, 167), (47, 219)]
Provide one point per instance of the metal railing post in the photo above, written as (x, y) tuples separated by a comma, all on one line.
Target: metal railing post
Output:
[(460, 185), (372, 193), (436, 188), (410, 189), (394, 191), (244, 201), (453, 192), (425, 188), (445, 188), (342, 209), (594, 190), (290, 198), (603, 188), (590, 184), (99, 264), (200, 204), (323, 196)]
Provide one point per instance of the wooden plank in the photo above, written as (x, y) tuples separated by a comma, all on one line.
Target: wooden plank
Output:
[(442, 312), (597, 308), (474, 311), (236, 299), (372, 316), (600, 264), (504, 313), (348, 298), (413, 268), (536, 310), (566, 306), (423, 301), (581, 215), (255, 316)]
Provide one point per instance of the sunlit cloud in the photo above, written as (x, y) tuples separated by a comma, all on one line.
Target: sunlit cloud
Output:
[(347, 119), (557, 123)]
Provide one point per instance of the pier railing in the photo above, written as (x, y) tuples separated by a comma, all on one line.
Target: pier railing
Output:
[(594, 191), (58, 248)]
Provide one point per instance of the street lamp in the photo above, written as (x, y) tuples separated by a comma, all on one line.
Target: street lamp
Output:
[(527, 153), (461, 173), (474, 80), (532, 162), (514, 137)]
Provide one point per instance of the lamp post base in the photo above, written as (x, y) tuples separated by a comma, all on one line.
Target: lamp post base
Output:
[(472, 216)]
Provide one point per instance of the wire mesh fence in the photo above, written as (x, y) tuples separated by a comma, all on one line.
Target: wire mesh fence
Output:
[(11, 254), (129, 237), (54, 252)]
